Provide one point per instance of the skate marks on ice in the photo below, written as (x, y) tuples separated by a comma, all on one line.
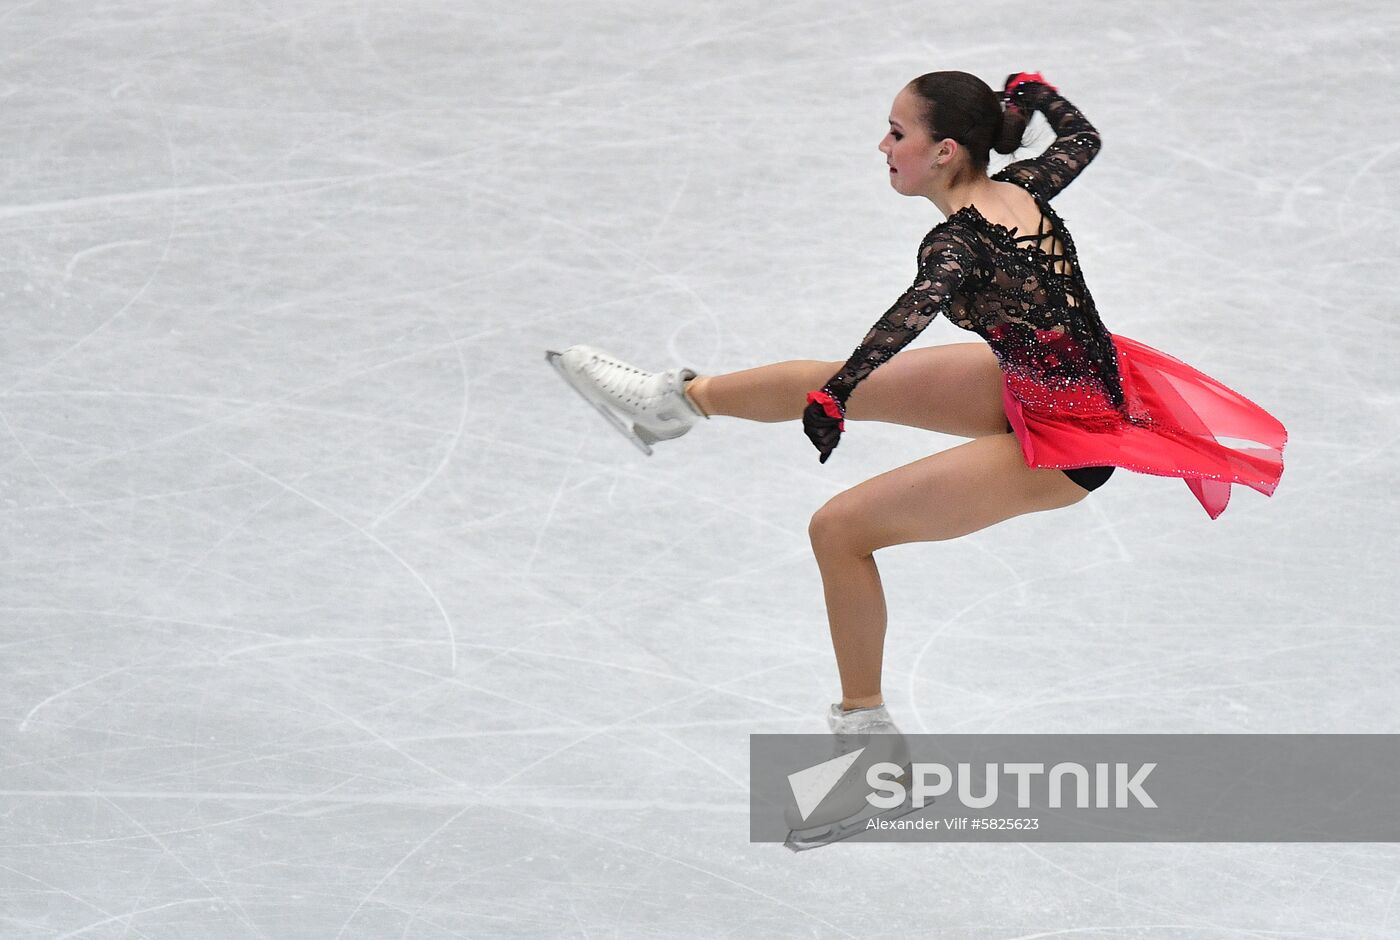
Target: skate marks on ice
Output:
[(283, 213)]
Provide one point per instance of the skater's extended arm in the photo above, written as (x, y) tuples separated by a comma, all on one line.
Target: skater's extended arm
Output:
[(946, 260), (1076, 141)]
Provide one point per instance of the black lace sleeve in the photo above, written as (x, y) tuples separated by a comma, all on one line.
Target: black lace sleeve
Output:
[(1076, 142), (946, 260)]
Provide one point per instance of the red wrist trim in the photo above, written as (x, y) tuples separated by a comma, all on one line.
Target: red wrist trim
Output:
[(829, 405), (1021, 77)]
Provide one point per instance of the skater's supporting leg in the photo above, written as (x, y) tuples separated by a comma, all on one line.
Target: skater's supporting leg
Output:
[(946, 495), (953, 388), (855, 611)]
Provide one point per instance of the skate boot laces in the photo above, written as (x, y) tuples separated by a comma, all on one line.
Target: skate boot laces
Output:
[(655, 400), (626, 383)]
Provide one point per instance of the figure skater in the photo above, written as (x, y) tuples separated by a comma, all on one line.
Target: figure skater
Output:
[(1051, 401)]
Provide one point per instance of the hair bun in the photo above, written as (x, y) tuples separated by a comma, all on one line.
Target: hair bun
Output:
[(1011, 130)]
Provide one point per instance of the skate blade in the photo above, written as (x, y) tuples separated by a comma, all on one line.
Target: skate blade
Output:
[(814, 837), (627, 431), (801, 840)]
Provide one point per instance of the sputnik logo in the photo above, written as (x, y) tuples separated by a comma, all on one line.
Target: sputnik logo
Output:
[(811, 786)]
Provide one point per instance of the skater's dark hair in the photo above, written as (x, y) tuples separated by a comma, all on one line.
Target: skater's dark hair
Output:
[(965, 108)]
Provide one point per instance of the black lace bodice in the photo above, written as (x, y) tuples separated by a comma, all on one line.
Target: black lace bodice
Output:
[(1023, 294)]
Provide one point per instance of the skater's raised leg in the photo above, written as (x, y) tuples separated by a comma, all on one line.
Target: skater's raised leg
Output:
[(953, 388), (775, 392), (943, 496)]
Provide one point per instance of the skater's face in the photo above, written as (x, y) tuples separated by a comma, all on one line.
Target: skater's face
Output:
[(915, 159)]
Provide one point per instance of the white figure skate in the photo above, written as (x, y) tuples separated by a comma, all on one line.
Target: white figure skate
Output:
[(845, 811), (645, 406)]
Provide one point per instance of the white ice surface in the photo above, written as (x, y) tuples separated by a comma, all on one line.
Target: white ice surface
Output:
[(327, 611)]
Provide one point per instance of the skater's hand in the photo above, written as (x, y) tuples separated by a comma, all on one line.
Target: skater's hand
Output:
[(1020, 78), (823, 421)]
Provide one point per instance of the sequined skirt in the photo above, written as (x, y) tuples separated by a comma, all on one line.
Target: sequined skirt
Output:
[(1175, 421)]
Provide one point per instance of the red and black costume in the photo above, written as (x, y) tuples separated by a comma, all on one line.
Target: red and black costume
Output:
[(1075, 394)]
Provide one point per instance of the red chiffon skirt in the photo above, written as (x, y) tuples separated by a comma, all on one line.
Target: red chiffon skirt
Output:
[(1176, 422)]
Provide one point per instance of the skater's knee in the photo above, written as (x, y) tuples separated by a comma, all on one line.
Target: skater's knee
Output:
[(836, 527)]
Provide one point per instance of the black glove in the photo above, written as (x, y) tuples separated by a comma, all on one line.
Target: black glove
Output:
[(823, 421), (1021, 78)]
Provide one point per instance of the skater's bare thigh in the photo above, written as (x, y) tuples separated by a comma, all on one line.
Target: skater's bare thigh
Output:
[(944, 496), (954, 388)]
